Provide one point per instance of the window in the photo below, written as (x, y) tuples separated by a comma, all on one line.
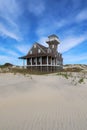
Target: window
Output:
[(39, 50), (52, 46), (30, 52)]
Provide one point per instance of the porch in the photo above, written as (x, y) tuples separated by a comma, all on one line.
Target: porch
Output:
[(43, 63)]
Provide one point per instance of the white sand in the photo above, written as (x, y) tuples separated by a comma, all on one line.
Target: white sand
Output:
[(42, 103)]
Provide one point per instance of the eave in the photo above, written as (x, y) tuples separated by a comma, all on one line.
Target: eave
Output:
[(37, 55)]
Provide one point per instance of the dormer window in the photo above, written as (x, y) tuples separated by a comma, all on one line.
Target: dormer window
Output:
[(30, 52), (39, 50)]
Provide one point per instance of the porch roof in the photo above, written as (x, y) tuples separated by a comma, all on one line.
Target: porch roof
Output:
[(37, 55)]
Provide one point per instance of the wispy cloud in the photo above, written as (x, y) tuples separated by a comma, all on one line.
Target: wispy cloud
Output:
[(42, 41), (13, 53), (73, 58), (36, 7), (61, 23), (49, 26), (9, 12), (23, 48), (82, 15), (6, 33), (70, 42), (52, 25), (9, 52)]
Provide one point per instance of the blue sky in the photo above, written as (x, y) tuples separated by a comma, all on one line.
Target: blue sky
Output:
[(23, 22)]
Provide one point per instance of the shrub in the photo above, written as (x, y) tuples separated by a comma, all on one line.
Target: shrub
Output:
[(81, 80)]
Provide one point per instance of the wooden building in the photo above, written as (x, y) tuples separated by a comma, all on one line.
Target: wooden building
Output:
[(44, 58)]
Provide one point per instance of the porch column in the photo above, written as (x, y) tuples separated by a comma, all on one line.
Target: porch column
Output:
[(47, 63), (55, 65), (23, 62), (41, 61), (47, 60), (36, 61), (31, 61), (55, 61), (51, 64), (26, 62), (51, 61)]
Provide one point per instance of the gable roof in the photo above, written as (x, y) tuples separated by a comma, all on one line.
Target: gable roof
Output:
[(43, 53), (43, 48)]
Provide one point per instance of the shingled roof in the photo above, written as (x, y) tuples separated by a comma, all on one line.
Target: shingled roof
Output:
[(45, 53)]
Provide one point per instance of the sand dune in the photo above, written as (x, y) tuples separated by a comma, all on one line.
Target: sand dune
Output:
[(47, 102)]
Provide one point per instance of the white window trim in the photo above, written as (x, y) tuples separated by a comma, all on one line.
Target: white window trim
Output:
[(39, 51)]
